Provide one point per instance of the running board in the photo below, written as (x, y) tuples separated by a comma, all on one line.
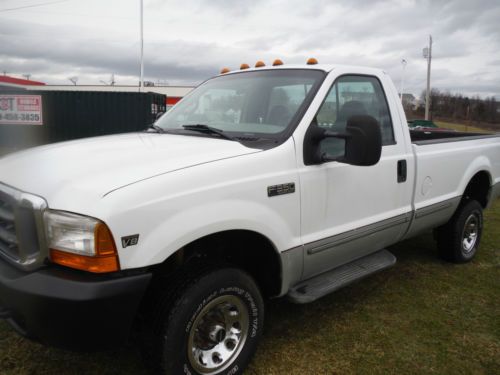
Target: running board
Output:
[(330, 281)]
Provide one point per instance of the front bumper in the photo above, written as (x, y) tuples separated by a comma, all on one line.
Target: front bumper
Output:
[(71, 309)]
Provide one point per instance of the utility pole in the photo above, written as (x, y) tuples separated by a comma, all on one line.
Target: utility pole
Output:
[(403, 62), (428, 55), (141, 82)]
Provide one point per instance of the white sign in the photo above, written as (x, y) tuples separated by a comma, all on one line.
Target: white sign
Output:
[(21, 109)]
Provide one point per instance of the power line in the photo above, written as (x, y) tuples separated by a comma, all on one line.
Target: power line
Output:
[(33, 5)]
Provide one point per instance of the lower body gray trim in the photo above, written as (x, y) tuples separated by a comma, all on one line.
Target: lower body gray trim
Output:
[(323, 255), (342, 238), (292, 266), (494, 194), (432, 216), (304, 262), (432, 209)]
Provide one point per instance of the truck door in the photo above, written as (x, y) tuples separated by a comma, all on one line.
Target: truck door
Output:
[(350, 211)]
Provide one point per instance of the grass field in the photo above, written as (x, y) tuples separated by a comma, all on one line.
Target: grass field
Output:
[(423, 316), (461, 127)]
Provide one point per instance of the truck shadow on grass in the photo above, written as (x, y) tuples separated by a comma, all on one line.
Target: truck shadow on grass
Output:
[(21, 356), (385, 322)]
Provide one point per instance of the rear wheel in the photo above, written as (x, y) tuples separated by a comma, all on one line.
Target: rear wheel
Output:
[(211, 327), (458, 240)]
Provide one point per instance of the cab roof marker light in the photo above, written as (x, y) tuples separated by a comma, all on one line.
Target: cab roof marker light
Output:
[(260, 64), (277, 62), (312, 61), (225, 70), (244, 66)]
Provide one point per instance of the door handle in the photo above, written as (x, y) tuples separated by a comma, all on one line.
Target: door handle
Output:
[(402, 171)]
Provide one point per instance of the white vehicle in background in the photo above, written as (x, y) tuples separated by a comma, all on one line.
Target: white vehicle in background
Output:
[(265, 182)]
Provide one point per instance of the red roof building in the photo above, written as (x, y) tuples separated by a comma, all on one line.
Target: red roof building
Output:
[(18, 81)]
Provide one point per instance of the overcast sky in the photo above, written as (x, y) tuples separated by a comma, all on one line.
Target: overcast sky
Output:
[(187, 41)]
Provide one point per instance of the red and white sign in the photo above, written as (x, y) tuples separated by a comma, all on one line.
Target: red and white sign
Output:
[(21, 110)]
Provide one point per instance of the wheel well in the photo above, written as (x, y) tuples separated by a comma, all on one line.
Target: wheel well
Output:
[(244, 249), (478, 188)]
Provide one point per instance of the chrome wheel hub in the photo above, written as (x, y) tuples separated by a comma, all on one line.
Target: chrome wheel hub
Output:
[(218, 334), (470, 232)]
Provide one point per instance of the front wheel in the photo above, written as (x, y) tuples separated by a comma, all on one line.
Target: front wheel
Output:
[(458, 240), (212, 327)]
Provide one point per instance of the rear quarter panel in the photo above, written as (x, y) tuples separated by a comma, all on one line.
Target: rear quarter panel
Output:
[(443, 171)]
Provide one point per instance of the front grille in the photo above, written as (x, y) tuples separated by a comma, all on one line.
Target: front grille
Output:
[(22, 238), (8, 236)]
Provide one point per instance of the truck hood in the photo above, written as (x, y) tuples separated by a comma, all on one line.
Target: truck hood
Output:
[(94, 167)]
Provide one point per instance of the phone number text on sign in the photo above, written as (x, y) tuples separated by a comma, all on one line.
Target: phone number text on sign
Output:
[(21, 109)]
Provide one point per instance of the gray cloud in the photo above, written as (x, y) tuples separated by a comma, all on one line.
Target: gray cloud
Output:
[(29, 52), (187, 42)]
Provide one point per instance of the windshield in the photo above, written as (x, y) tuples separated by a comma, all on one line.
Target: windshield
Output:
[(258, 103)]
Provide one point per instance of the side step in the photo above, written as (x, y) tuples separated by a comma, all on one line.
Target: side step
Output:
[(330, 281)]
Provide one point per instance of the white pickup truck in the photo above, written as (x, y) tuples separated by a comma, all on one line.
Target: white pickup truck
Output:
[(263, 182)]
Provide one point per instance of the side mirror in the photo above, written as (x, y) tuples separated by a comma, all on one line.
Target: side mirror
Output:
[(363, 146), (363, 142)]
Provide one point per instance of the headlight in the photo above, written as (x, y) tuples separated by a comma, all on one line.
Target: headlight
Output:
[(80, 242)]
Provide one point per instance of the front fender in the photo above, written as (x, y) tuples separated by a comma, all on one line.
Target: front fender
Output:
[(185, 227), (170, 211)]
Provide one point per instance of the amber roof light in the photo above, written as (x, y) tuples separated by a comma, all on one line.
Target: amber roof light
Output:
[(224, 70), (244, 66), (259, 64), (277, 62), (312, 61)]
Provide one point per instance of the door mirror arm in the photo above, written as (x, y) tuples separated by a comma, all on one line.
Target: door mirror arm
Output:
[(330, 134)]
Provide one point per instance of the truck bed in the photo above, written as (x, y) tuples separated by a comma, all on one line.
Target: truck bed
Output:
[(422, 137), (445, 163)]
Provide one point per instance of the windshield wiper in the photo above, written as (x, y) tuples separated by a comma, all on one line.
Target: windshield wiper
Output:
[(156, 128), (202, 128)]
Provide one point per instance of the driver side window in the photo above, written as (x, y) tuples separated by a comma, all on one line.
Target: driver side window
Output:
[(351, 96)]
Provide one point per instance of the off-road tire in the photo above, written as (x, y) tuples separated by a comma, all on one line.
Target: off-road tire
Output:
[(175, 312)]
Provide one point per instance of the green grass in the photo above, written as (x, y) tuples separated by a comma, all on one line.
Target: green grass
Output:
[(423, 316), (461, 127)]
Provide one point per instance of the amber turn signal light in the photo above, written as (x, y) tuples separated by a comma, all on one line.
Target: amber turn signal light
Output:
[(105, 260), (85, 263)]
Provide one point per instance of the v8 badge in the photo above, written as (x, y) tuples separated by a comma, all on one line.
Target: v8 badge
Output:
[(130, 240)]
